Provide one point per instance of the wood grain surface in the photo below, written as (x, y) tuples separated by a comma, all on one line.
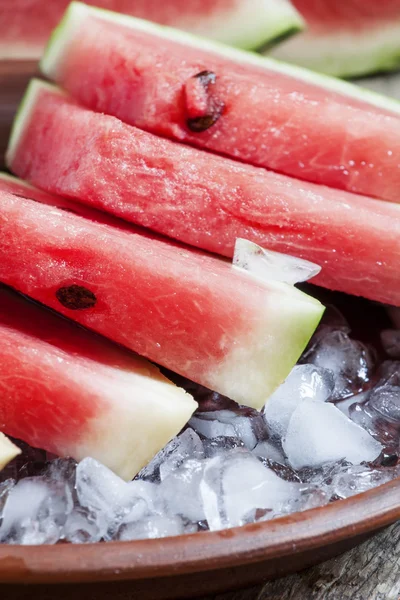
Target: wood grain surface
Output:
[(368, 572)]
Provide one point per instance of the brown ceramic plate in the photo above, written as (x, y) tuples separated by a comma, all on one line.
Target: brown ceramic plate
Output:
[(194, 564), (206, 562)]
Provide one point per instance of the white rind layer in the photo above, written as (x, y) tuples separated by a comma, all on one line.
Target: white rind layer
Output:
[(251, 25), (77, 13), (145, 412), (345, 54), (266, 356), (8, 451)]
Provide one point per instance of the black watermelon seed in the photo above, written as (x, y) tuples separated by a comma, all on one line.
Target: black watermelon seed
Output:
[(76, 297)]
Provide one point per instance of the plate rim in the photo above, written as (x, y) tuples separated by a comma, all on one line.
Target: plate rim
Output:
[(353, 517)]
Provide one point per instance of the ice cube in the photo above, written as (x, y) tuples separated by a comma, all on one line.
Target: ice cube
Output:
[(267, 264), (350, 361), (319, 433), (390, 339), (61, 470), (210, 427), (154, 527), (34, 512), (187, 445), (237, 484), (385, 431), (246, 426), (180, 490), (385, 400), (220, 445), (80, 528), (269, 450), (304, 381), (308, 497), (357, 479), (108, 498)]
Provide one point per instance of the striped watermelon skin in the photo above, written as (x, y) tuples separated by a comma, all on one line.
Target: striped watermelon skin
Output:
[(73, 393), (203, 199)]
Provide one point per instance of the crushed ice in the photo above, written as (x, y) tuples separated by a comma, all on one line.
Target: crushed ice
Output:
[(330, 431), (268, 264)]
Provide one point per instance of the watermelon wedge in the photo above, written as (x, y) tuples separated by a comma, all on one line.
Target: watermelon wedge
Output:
[(203, 199), (75, 394), (194, 314), (346, 39), (228, 101), (8, 451), (25, 25)]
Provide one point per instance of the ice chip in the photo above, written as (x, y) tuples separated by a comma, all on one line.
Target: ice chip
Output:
[(108, 498), (350, 361), (318, 433), (80, 528), (226, 423), (307, 498), (219, 445), (267, 264), (237, 484), (304, 381), (154, 527), (390, 339), (270, 451), (385, 400), (180, 490), (386, 432), (33, 513), (357, 479), (209, 427), (187, 445)]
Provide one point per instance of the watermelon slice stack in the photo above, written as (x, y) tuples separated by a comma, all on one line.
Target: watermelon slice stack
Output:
[(203, 144)]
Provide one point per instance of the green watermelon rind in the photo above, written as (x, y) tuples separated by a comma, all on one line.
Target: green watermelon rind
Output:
[(22, 114), (77, 12), (345, 54)]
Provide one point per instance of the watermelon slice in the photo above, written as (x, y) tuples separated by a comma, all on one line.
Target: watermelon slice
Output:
[(203, 199), (194, 314), (25, 25), (346, 38), (228, 101), (8, 451), (74, 394)]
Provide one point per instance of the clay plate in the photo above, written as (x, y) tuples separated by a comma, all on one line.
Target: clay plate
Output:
[(189, 565), (200, 563)]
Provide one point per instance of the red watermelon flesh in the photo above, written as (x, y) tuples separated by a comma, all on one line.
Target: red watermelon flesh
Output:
[(346, 38), (75, 394), (195, 314), (203, 199), (25, 25), (255, 112)]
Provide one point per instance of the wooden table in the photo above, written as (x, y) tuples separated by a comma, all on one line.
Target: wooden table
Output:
[(369, 572)]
